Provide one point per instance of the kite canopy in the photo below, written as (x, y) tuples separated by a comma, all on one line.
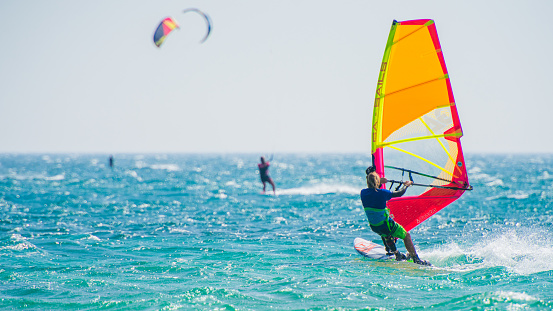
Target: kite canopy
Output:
[(169, 24), (164, 29), (207, 21), (416, 130)]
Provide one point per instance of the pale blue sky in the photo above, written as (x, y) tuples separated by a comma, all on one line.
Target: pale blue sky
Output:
[(274, 76)]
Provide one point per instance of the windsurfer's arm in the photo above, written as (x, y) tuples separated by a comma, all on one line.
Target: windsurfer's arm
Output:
[(401, 191)]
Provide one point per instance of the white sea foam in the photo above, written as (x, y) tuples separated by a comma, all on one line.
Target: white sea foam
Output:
[(179, 230), (319, 189), (167, 167), (56, 177), (140, 164), (232, 183), (476, 174), (133, 174), (93, 238), (513, 296), (519, 195), (239, 163), (545, 175), (494, 183), (221, 195), (520, 250), (17, 237), (19, 247), (280, 220), (22, 243)]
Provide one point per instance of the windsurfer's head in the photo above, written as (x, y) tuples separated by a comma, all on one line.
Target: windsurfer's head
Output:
[(373, 180), (262, 159)]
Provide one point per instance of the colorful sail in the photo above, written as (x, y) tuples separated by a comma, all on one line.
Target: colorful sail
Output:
[(164, 29), (416, 129)]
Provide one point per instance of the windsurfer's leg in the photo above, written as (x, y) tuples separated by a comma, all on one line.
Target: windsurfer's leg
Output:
[(388, 250), (409, 245), (264, 185), (396, 231), (272, 184), (412, 252), (390, 243)]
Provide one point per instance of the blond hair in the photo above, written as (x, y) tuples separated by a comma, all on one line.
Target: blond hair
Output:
[(373, 180)]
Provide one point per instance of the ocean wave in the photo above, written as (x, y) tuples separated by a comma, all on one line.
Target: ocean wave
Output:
[(497, 300), (319, 189), (520, 250), (23, 177), (476, 174), (544, 176), (56, 177), (133, 174), (166, 167), (21, 243), (518, 195)]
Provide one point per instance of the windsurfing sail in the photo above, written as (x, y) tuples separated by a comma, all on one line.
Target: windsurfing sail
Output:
[(416, 130), (164, 29)]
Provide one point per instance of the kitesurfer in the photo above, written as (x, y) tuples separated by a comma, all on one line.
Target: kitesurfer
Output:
[(264, 174), (374, 202)]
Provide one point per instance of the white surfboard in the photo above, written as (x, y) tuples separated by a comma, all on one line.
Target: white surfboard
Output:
[(376, 251), (371, 250)]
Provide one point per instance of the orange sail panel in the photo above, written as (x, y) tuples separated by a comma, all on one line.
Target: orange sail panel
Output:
[(416, 129)]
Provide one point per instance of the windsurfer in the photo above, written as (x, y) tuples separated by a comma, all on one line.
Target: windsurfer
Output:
[(264, 174), (374, 202)]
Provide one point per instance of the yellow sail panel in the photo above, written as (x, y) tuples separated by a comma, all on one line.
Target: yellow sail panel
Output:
[(407, 30), (401, 108), (413, 54), (415, 79)]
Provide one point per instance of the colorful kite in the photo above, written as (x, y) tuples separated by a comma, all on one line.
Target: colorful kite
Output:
[(164, 29), (169, 24)]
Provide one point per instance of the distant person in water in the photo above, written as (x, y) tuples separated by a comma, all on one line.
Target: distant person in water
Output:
[(374, 202), (264, 174), (111, 161)]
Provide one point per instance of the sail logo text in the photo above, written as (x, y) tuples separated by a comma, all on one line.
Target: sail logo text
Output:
[(376, 110)]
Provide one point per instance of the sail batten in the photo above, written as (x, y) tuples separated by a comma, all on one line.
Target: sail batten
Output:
[(395, 142), (413, 86), (416, 124)]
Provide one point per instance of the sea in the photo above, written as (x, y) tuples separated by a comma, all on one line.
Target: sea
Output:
[(195, 232)]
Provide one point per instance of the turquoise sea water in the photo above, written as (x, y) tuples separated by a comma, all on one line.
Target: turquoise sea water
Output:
[(170, 232)]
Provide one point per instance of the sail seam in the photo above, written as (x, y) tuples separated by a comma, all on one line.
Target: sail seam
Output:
[(421, 158), (385, 144), (438, 140), (409, 34), (416, 85)]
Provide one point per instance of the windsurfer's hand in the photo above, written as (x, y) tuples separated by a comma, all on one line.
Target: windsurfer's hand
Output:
[(383, 180), (408, 183)]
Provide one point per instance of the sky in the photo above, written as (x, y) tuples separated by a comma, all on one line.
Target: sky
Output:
[(273, 77)]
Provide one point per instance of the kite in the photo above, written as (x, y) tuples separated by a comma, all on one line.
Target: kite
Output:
[(169, 24), (207, 21), (164, 29)]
